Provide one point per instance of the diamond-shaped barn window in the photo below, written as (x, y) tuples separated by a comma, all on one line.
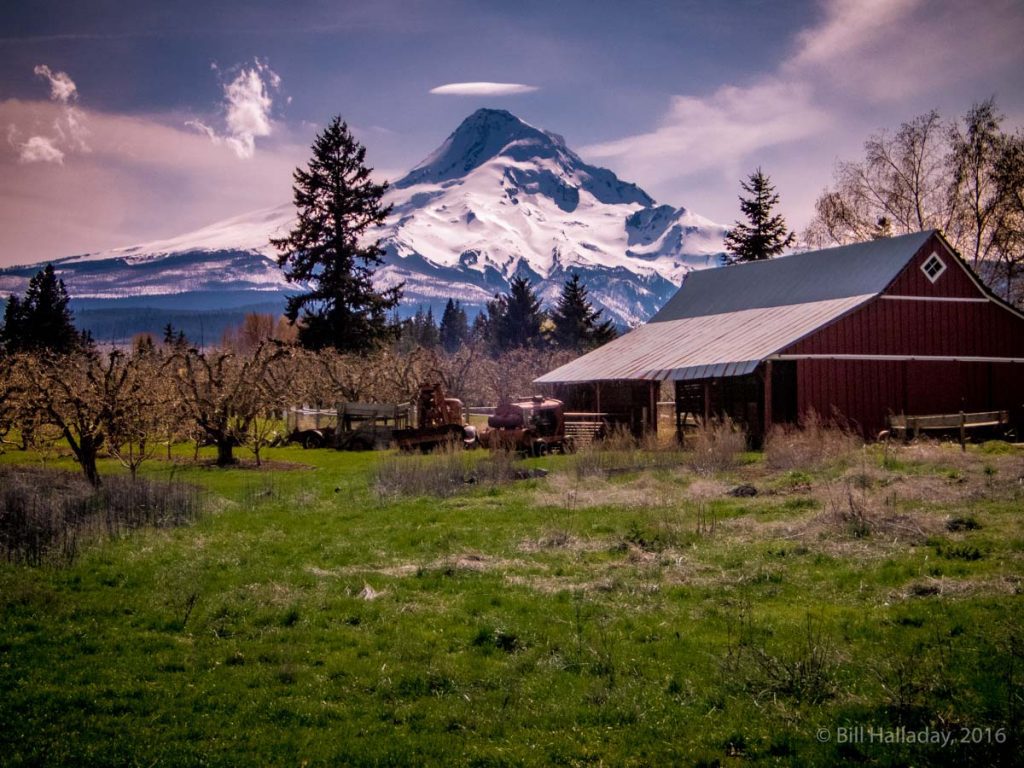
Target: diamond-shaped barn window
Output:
[(933, 267)]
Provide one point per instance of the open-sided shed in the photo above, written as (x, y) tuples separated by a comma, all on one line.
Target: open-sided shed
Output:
[(893, 326)]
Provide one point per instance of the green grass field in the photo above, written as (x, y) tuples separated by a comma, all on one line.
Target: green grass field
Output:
[(638, 617)]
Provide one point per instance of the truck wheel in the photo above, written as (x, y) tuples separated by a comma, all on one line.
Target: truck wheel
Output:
[(540, 448), (313, 441)]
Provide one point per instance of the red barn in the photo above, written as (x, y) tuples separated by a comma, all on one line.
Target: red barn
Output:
[(893, 326)]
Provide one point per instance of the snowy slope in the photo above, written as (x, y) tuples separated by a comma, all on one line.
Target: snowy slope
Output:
[(497, 198)]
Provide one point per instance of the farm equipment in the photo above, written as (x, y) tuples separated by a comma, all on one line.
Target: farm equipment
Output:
[(349, 427), (439, 421), (535, 426)]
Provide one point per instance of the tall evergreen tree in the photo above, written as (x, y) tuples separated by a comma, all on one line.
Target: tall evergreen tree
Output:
[(337, 204), (577, 324), (420, 330), (454, 329), (42, 319), (514, 318), (765, 236)]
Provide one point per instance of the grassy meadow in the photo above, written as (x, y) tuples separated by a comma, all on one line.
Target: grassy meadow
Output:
[(360, 609)]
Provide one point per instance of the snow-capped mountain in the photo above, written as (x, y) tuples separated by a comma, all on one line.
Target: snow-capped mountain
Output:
[(498, 198)]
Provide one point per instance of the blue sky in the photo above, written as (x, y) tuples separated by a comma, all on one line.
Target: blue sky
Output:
[(127, 122)]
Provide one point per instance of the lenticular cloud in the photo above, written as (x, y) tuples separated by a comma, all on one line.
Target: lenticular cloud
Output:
[(482, 89)]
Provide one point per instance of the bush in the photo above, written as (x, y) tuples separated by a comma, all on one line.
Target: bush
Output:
[(715, 446), (45, 514)]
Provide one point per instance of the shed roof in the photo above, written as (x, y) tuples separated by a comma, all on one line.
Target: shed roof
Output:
[(725, 321)]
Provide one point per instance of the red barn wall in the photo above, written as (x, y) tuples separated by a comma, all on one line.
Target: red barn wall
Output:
[(866, 391)]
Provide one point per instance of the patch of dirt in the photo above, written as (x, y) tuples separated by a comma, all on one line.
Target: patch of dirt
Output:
[(945, 587), (249, 464), (466, 562)]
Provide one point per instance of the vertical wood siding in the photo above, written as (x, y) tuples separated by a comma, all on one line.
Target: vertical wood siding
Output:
[(866, 391)]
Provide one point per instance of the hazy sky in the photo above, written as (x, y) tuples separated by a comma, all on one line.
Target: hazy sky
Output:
[(127, 122)]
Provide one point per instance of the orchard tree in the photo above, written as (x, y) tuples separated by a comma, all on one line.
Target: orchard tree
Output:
[(77, 393), (223, 393), (578, 326), (765, 235), (141, 412), (337, 204)]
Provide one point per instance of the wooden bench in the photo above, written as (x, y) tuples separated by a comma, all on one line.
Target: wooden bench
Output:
[(946, 422)]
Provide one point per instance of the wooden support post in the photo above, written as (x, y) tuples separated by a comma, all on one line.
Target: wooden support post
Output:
[(963, 432), (679, 414), (707, 401), (767, 397), (653, 399)]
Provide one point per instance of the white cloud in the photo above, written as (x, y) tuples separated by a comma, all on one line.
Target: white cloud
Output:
[(39, 149), (863, 66), (482, 89), (68, 126), (62, 87), (118, 193), (247, 106), (885, 51), (718, 131)]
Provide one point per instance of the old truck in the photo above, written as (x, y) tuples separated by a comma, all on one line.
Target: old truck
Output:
[(349, 426), (535, 426), (439, 422)]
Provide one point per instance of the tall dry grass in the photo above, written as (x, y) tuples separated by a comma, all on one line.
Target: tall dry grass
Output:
[(813, 443), (715, 446), (444, 472), (46, 515)]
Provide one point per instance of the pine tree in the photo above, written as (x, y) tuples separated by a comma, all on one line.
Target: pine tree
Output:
[(42, 320), (337, 205), (454, 329), (766, 235), (578, 325), (514, 318)]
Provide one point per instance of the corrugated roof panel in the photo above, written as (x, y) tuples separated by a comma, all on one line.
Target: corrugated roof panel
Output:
[(710, 346), (833, 273)]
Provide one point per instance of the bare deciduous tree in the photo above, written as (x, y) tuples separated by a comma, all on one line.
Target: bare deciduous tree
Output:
[(76, 393), (141, 411), (957, 178), (223, 393)]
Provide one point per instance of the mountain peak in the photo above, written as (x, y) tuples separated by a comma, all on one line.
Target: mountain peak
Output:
[(483, 135)]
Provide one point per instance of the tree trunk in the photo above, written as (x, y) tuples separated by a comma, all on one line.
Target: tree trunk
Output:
[(225, 457), (87, 458)]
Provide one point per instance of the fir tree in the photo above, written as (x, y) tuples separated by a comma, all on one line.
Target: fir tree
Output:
[(454, 331), (578, 325), (42, 320), (766, 235), (337, 204), (420, 330), (514, 318)]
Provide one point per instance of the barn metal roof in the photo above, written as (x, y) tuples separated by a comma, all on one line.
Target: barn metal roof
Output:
[(710, 346), (725, 321), (851, 270)]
